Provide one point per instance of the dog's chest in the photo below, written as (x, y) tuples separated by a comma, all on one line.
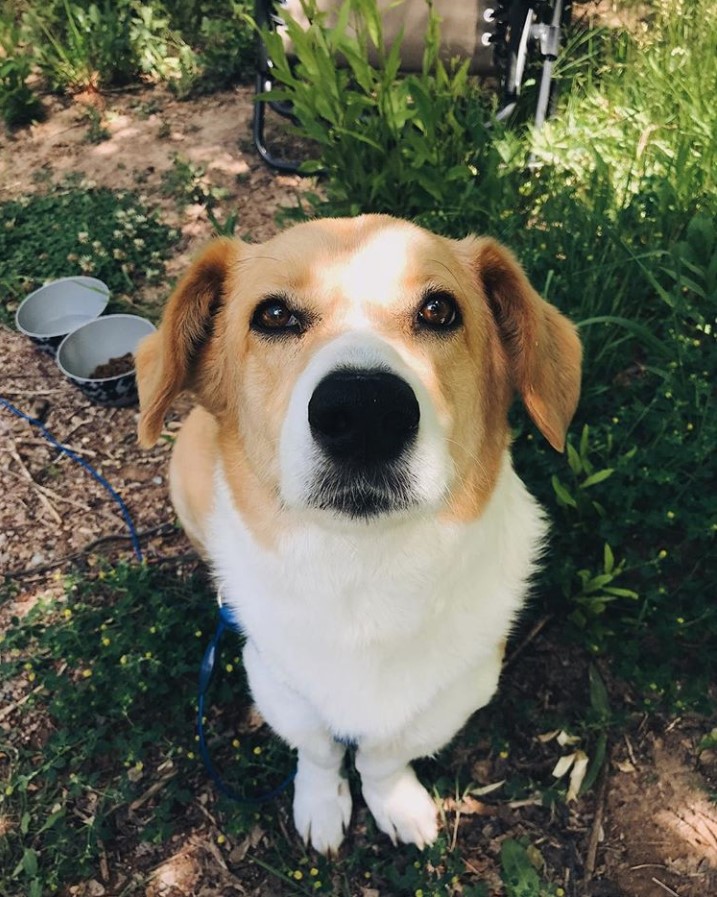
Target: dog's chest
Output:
[(374, 621)]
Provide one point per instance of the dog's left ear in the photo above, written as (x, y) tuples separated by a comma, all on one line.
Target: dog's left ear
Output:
[(542, 346), (170, 360)]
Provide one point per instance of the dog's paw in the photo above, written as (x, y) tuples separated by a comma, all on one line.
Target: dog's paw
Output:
[(322, 811), (402, 808)]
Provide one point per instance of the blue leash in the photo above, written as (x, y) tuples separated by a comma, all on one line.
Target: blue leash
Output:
[(226, 621)]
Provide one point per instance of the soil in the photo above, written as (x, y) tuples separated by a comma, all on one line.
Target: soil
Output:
[(648, 829)]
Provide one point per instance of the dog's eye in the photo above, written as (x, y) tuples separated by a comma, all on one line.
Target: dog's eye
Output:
[(274, 316), (438, 312)]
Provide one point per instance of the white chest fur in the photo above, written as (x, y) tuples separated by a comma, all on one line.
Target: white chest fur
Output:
[(369, 621)]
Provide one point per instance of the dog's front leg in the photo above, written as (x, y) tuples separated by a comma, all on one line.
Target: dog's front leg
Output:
[(401, 806), (322, 799)]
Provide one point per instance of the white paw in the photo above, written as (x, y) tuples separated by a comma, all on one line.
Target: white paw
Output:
[(322, 811), (402, 808)]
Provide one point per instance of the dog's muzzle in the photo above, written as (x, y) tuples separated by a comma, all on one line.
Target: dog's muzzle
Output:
[(364, 421)]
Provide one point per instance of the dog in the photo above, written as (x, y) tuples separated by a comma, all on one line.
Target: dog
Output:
[(346, 473)]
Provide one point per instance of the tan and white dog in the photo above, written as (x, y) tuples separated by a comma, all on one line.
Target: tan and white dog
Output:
[(347, 475)]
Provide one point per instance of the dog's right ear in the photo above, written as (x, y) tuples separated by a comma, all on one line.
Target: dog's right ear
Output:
[(167, 361)]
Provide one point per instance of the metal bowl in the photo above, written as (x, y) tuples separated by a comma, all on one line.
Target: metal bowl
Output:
[(97, 343), (48, 314)]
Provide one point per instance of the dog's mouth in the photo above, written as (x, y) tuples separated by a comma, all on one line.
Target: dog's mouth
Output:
[(363, 494)]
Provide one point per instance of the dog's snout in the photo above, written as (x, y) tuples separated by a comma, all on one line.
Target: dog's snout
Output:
[(364, 417)]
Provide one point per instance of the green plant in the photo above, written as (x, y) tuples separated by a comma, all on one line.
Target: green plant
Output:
[(417, 146), (187, 183), (94, 664), (19, 104), (96, 132), (195, 46), (161, 52), (224, 228), (223, 50), (519, 873), (80, 228), (91, 50)]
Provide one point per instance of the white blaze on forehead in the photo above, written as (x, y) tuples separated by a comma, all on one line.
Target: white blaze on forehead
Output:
[(377, 270)]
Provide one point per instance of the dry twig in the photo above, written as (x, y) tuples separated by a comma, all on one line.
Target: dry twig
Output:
[(162, 529), (41, 491), (534, 633)]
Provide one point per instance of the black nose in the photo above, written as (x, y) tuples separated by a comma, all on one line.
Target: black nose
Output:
[(363, 417)]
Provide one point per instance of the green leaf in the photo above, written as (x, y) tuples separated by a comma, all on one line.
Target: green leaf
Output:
[(621, 593), (372, 19), (599, 699), (597, 582), (29, 862), (597, 477), (518, 873), (608, 559), (51, 820), (562, 493), (574, 459), (639, 331), (595, 765), (584, 438)]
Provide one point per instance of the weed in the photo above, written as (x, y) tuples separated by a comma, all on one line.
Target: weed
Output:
[(96, 132), (83, 229), (187, 183), (90, 52), (418, 146), (81, 45), (519, 872), (19, 105), (223, 50), (224, 228), (98, 661)]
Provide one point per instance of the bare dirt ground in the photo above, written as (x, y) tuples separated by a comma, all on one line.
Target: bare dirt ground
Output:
[(649, 829)]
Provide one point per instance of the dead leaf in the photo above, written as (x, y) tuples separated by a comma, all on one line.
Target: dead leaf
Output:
[(548, 736), (487, 789), (178, 875), (563, 765), (580, 767)]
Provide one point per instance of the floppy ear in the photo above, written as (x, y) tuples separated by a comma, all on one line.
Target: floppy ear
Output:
[(542, 345), (167, 361)]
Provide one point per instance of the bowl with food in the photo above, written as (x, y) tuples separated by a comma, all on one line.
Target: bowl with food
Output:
[(98, 357)]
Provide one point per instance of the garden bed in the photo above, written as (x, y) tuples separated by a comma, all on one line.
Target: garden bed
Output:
[(157, 826)]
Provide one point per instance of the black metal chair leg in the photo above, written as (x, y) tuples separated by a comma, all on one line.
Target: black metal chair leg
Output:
[(263, 84)]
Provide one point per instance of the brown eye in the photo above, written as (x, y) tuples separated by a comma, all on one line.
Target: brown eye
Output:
[(439, 312), (273, 316)]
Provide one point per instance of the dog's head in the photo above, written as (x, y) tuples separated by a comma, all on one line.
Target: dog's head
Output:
[(364, 366)]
